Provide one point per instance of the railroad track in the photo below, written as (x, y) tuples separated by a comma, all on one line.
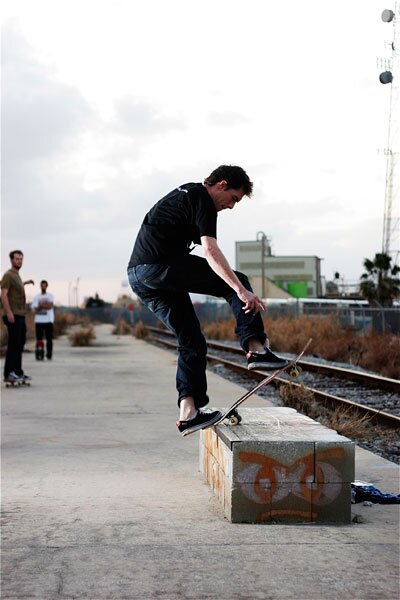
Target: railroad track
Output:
[(380, 395)]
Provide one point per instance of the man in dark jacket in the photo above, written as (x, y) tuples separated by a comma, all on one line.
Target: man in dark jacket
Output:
[(162, 273)]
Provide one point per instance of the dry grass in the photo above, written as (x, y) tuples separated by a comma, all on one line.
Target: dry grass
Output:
[(62, 322), (373, 351), (223, 330), (346, 421), (140, 331), (82, 337), (381, 353), (121, 327)]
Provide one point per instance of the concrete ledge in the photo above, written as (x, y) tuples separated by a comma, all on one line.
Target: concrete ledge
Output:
[(279, 466)]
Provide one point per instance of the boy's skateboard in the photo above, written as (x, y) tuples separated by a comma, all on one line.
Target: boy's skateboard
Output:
[(39, 350), (293, 371)]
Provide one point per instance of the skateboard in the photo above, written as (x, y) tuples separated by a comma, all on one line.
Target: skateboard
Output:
[(39, 351), (293, 370), (12, 383), (20, 383)]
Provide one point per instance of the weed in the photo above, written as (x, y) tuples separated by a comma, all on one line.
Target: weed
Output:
[(140, 331), (346, 421), (82, 337), (122, 328), (62, 321)]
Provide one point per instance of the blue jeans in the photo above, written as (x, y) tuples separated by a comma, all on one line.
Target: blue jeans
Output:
[(164, 289)]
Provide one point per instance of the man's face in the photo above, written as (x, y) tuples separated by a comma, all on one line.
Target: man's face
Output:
[(224, 197), (16, 261), (43, 286)]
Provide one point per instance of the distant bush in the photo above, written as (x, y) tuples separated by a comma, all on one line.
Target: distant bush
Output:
[(62, 321), (122, 328), (82, 337), (140, 331)]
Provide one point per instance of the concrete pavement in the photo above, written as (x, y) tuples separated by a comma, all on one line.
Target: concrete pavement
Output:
[(102, 498)]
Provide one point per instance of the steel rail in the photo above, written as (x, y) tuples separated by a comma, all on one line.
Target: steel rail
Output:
[(384, 418)]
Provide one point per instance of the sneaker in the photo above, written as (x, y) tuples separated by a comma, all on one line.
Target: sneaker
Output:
[(26, 377), (200, 421), (13, 378), (265, 360)]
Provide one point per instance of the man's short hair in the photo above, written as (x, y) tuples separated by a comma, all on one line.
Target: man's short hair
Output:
[(236, 178), (44, 281), (13, 252)]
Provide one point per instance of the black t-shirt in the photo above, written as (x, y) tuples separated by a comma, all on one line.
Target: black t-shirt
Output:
[(173, 224)]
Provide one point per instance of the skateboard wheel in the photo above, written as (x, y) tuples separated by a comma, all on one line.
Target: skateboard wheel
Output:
[(234, 420), (295, 372)]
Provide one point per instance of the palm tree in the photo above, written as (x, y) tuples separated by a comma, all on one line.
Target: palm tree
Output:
[(380, 285)]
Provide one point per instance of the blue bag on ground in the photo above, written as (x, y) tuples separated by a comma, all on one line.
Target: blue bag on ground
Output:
[(362, 491)]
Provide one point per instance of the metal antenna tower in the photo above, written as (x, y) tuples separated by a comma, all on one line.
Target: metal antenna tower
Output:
[(391, 218)]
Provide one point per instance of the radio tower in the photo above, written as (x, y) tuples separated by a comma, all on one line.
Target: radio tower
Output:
[(391, 75)]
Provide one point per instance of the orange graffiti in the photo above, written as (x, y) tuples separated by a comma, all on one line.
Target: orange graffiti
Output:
[(310, 478)]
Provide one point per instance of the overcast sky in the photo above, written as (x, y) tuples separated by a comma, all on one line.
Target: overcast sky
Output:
[(108, 105)]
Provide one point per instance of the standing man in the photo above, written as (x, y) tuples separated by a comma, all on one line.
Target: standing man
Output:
[(14, 311), (162, 272), (43, 305)]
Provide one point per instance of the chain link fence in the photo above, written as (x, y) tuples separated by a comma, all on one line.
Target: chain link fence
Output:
[(358, 318)]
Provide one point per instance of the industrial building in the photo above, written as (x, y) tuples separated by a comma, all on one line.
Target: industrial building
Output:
[(278, 276)]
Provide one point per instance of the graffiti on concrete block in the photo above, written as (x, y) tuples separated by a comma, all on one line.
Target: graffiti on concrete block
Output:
[(311, 478)]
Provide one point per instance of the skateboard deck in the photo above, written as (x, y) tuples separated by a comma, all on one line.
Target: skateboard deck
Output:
[(39, 350), (293, 370)]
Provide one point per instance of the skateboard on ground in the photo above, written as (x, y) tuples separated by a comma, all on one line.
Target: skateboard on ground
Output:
[(19, 383), (39, 351), (12, 383), (293, 369)]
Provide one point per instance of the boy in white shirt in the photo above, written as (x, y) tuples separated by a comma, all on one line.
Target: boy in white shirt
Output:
[(43, 305)]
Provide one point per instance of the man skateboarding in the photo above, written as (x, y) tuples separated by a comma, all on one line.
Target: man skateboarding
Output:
[(162, 273)]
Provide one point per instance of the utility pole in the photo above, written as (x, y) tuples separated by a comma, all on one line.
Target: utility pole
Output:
[(265, 251), (391, 76)]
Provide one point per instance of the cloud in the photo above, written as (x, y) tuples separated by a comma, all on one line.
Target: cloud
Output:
[(39, 114), (138, 117), (41, 121), (226, 119)]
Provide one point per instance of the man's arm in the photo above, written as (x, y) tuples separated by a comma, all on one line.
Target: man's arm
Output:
[(6, 305), (45, 306), (217, 261), (29, 282)]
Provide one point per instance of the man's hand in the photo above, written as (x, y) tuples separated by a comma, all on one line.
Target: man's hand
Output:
[(10, 317), (220, 265), (252, 303)]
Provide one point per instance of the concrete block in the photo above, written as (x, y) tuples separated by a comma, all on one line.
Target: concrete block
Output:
[(331, 502), (277, 461), (299, 471), (334, 461)]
